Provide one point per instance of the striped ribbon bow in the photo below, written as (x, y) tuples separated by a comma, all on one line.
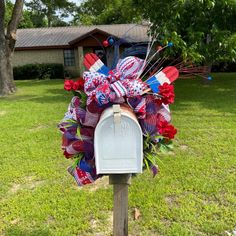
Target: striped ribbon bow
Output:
[(120, 82)]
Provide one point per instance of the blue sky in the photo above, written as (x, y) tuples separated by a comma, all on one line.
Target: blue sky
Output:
[(68, 18)]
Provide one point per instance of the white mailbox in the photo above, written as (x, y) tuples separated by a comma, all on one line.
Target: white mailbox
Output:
[(118, 142)]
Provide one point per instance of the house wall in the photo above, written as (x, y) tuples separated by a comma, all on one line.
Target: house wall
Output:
[(21, 58)]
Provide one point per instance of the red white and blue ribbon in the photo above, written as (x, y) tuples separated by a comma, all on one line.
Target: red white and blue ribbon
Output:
[(116, 84)]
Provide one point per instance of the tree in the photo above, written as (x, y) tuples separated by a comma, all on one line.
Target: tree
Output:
[(7, 44), (53, 10), (200, 29), (25, 21), (96, 12)]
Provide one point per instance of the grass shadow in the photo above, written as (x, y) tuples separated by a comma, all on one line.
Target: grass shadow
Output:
[(51, 99), (17, 231), (37, 98), (36, 82), (39, 91), (217, 95), (57, 91)]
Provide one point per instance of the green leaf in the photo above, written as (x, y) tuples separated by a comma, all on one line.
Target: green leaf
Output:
[(77, 159), (146, 163)]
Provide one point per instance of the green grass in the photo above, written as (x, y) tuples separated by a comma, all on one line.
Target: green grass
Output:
[(194, 194)]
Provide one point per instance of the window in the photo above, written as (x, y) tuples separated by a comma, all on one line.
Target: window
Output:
[(69, 57)]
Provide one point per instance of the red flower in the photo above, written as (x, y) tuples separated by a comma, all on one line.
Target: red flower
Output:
[(166, 130), (79, 84), (68, 84), (71, 85), (167, 92)]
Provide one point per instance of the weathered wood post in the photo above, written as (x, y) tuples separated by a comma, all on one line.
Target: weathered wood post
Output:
[(120, 184), (118, 153)]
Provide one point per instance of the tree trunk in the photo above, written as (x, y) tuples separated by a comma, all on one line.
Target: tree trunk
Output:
[(7, 44), (3, 70), (49, 18), (7, 85)]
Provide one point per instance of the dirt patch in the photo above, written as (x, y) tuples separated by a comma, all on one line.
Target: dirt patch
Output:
[(183, 147), (3, 113), (171, 200), (15, 188), (231, 233), (100, 183), (39, 127), (99, 229), (76, 187), (167, 222), (94, 223), (110, 219), (170, 153), (50, 220), (29, 182), (15, 222), (32, 183)]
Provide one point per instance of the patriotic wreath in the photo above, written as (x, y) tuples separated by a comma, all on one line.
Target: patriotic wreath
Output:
[(99, 89)]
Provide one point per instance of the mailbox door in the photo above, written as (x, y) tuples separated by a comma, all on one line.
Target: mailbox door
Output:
[(118, 147)]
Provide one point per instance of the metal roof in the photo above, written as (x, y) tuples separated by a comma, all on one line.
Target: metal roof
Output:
[(61, 36)]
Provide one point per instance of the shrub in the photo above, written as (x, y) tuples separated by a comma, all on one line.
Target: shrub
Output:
[(224, 67), (38, 71)]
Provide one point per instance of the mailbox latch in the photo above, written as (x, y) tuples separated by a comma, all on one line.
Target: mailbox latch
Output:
[(117, 113), (117, 117)]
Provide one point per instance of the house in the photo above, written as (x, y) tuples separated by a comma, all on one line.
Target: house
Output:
[(68, 45)]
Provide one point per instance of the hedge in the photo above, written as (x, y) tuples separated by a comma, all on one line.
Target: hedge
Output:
[(39, 71), (224, 67)]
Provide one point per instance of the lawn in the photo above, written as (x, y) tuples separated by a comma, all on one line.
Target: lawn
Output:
[(194, 194)]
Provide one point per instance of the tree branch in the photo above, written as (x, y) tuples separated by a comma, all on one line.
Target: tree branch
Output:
[(14, 22)]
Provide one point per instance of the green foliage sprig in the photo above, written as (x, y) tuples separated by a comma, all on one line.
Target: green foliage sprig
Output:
[(153, 146)]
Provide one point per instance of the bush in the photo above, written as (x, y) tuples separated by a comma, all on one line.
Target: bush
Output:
[(38, 71), (224, 67)]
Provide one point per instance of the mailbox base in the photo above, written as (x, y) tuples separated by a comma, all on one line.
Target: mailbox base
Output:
[(120, 179), (120, 184)]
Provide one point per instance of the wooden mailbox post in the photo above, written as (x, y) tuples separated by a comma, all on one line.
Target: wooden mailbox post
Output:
[(118, 147)]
